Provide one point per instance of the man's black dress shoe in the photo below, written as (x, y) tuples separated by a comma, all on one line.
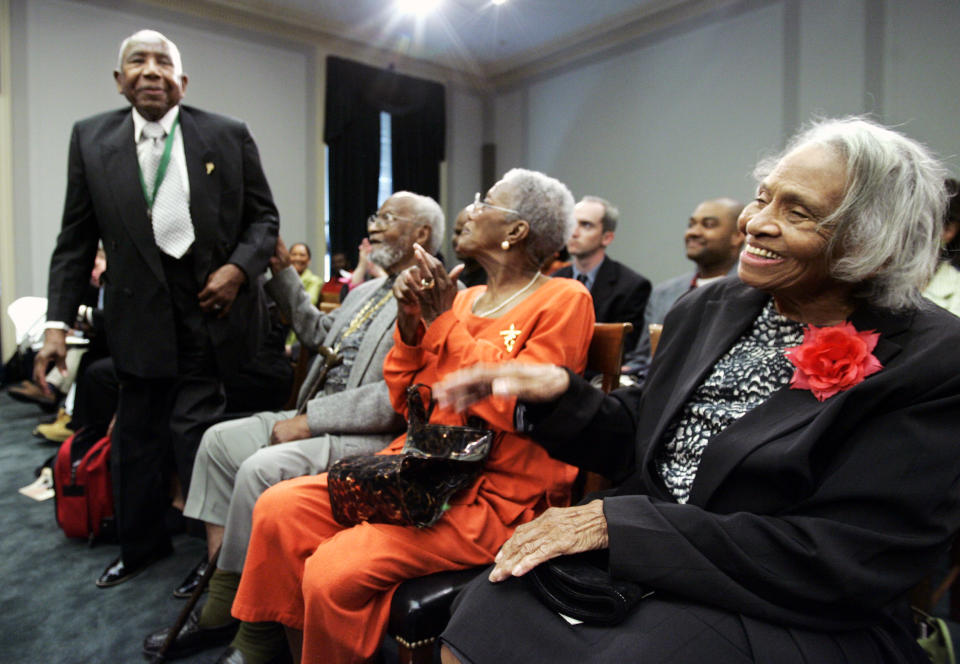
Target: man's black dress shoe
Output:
[(189, 584), (191, 638), (117, 572), (234, 656)]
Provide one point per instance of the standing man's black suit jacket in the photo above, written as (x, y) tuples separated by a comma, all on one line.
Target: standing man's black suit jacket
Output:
[(619, 295), (234, 219), (819, 515)]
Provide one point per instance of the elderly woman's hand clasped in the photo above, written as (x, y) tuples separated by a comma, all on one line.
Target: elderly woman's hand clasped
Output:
[(424, 290), (557, 532)]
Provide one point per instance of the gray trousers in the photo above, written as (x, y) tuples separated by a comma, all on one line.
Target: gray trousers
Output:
[(235, 464)]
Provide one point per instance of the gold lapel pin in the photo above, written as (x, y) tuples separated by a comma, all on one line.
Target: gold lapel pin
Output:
[(209, 167)]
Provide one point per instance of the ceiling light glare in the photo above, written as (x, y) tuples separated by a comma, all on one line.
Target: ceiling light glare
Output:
[(420, 7), (499, 2)]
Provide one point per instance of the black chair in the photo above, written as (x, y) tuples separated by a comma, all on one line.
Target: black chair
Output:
[(421, 607)]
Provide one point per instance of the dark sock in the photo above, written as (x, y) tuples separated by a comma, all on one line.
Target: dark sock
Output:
[(260, 641), (223, 588)]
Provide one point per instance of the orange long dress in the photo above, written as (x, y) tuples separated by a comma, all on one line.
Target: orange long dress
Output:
[(305, 570)]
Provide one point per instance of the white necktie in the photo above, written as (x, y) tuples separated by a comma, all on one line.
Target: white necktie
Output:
[(172, 226)]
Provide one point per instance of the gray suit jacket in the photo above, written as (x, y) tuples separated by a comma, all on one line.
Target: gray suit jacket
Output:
[(364, 407), (664, 296)]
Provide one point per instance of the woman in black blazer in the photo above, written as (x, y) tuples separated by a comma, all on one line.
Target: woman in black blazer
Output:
[(795, 466)]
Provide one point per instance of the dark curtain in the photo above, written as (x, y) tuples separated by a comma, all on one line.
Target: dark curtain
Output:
[(356, 95)]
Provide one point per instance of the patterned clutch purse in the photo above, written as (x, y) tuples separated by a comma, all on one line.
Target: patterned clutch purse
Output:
[(410, 488)]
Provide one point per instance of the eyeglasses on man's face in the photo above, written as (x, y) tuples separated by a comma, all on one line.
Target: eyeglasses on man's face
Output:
[(387, 218), (478, 205)]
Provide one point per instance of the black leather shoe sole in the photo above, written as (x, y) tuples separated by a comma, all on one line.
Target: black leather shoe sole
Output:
[(192, 638)]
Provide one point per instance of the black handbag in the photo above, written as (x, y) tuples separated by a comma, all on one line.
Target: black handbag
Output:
[(411, 488), (579, 586)]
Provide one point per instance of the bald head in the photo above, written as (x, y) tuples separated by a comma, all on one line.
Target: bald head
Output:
[(731, 207), (712, 239)]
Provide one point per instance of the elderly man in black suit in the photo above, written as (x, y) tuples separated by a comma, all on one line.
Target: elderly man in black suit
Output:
[(179, 199), (619, 293)]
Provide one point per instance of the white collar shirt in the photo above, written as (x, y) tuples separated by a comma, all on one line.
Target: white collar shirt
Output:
[(178, 156)]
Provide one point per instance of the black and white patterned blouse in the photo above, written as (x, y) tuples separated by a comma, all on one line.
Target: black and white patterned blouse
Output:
[(753, 368)]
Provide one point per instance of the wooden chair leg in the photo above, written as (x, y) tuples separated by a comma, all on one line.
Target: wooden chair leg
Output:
[(920, 595)]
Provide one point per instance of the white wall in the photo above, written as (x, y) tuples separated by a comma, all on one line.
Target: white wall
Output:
[(510, 116), (920, 82), (63, 62), (832, 59), (683, 116), (464, 137), (658, 128)]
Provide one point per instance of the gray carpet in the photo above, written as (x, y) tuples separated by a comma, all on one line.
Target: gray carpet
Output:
[(51, 610)]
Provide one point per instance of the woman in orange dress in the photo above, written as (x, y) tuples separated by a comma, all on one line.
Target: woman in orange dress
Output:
[(331, 585)]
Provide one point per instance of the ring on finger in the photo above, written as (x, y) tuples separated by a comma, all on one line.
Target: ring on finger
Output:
[(427, 283)]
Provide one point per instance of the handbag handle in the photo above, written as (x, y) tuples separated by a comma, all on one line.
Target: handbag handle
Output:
[(419, 414)]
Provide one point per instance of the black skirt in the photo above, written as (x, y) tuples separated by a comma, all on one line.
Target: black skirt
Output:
[(505, 622)]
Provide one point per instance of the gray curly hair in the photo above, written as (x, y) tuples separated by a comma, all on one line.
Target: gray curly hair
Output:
[(886, 230), (546, 204)]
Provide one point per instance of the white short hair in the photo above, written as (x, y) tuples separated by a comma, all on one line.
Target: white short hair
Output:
[(429, 212), (546, 204), (886, 230), (150, 36)]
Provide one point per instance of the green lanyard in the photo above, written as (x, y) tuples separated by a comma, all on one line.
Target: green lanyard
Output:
[(161, 168)]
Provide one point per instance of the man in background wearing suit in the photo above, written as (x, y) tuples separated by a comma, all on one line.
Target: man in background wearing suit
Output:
[(179, 199), (619, 293), (713, 243)]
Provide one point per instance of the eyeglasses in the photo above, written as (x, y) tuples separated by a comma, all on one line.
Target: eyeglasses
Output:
[(478, 205), (388, 217)]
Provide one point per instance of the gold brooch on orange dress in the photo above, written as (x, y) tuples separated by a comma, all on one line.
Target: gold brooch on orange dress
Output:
[(510, 337)]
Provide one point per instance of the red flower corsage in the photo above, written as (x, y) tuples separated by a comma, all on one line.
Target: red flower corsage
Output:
[(833, 359)]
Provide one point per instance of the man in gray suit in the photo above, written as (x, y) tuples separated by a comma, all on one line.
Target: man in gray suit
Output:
[(345, 412), (713, 242)]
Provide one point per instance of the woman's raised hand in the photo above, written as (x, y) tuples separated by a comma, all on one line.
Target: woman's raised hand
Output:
[(408, 304), (281, 257), (528, 382), (423, 291), (435, 288)]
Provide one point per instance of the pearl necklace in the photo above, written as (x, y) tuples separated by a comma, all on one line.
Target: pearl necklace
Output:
[(508, 300)]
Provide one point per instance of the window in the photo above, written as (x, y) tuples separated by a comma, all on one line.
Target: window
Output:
[(384, 183), (386, 161)]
